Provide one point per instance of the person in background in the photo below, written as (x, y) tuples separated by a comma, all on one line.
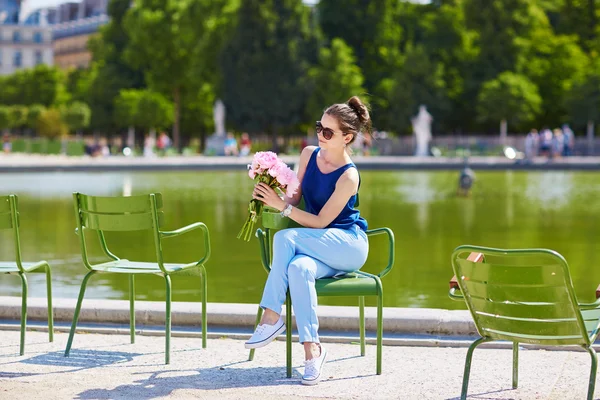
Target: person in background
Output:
[(6, 143), (230, 145), (569, 140), (245, 144), (531, 144), (163, 143), (558, 143)]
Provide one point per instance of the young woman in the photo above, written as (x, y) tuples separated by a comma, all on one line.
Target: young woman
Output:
[(333, 240)]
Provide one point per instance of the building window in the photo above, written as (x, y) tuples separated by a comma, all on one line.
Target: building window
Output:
[(37, 37), (18, 60), (39, 59), (16, 36)]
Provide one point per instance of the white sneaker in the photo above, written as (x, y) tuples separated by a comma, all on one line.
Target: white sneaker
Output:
[(265, 334), (313, 369)]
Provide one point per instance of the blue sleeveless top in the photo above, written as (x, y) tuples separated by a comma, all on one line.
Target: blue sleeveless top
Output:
[(318, 187)]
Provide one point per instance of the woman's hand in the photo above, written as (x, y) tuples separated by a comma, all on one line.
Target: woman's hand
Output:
[(268, 196)]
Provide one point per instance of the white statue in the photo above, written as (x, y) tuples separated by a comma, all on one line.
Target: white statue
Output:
[(219, 117), (422, 127)]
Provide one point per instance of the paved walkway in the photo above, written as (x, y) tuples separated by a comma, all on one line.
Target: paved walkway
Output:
[(109, 367)]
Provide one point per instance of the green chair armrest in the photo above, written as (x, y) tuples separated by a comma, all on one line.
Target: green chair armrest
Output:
[(264, 256), (189, 228), (454, 296), (391, 248), (591, 306)]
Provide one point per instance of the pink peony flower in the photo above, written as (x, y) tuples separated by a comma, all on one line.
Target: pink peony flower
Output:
[(265, 159), (277, 170), (251, 173)]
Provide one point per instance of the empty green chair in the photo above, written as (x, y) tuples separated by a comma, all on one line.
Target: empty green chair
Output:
[(522, 296), (10, 219), (134, 213), (359, 284)]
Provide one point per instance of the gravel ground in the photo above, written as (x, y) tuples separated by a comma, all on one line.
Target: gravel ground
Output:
[(109, 367)]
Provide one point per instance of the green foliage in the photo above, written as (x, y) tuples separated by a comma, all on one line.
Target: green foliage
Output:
[(33, 113), (4, 118), (510, 96), (263, 63), (110, 73), (77, 116), (420, 81), (582, 101), (51, 125), (39, 85), (144, 109), (18, 116), (553, 63), (334, 79), (370, 29)]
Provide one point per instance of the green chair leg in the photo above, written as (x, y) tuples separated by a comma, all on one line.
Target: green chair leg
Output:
[(77, 310), (204, 295), (361, 322), (515, 377), (593, 369), (288, 334), (132, 308), (168, 322), (23, 312), (465, 385), (258, 316), (379, 328), (50, 309)]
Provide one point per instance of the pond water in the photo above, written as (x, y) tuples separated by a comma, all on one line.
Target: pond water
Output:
[(507, 209)]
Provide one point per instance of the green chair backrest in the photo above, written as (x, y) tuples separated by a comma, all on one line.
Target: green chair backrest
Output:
[(7, 207), (522, 296), (9, 219), (125, 213)]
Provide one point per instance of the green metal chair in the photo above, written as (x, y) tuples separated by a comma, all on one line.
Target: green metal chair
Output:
[(10, 219), (134, 213), (523, 296), (354, 284)]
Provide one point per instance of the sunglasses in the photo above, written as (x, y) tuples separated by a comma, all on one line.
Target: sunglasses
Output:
[(326, 132)]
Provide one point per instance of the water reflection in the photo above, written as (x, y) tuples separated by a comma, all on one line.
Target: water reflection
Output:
[(550, 190)]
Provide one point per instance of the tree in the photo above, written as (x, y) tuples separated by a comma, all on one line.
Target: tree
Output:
[(4, 118), (334, 79), (164, 38), (77, 116), (18, 117), (553, 63), (370, 29), (419, 81), (110, 73), (144, 109), (263, 63), (509, 98), (583, 101), (39, 85), (448, 43), (504, 29), (33, 113), (51, 125)]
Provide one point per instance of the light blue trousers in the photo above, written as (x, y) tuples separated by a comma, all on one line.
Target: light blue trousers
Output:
[(302, 255)]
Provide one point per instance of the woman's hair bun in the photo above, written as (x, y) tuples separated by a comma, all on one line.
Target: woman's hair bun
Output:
[(361, 111)]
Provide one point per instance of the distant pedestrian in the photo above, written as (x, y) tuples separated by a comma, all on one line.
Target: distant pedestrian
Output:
[(230, 145), (568, 140), (531, 144), (6, 143), (245, 144)]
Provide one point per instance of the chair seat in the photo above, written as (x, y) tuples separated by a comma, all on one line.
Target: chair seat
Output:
[(137, 267), (9, 267), (347, 285)]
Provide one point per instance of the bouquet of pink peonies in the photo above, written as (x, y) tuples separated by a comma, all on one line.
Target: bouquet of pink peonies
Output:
[(266, 167)]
